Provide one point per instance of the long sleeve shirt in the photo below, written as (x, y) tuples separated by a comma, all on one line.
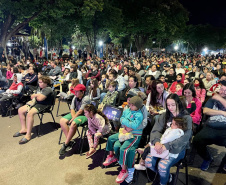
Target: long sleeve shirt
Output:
[(30, 79), (200, 94), (197, 114)]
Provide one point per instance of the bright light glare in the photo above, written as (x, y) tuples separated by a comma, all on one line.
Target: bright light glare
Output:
[(205, 49), (43, 48), (73, 47), (100, 43), (146, 49), (176, 47), (9, 44), (153, 42)]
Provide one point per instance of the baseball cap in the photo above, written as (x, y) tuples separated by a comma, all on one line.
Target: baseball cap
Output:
[(80, 87)]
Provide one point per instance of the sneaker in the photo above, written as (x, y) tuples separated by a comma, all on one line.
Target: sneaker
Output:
[(109, 160), (206, 164), (70, 145), (63, 149), (122, 176), (139, 167), (170, 178)]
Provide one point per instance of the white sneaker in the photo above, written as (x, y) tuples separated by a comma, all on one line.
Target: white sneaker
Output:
[(139, 167)]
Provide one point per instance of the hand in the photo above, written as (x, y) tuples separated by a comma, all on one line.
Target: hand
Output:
[(124, 131), (33, 96), (158, 147), (71, 121)]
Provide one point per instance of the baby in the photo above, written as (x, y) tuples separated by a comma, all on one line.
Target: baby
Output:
[(175, 131)]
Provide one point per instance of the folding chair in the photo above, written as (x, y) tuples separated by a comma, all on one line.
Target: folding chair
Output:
[(68, 101), (49, 110)]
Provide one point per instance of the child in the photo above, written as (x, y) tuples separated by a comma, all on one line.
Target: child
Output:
[(71, 91), (102, 83), (125, 152), (94, 92), (110, 97), (179, 88), (175, 131), (98, 125), (180, 79)]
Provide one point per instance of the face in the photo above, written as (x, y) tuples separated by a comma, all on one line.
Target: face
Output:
[(160, 88), (196, 82), (178, 87), (178, 77), (178, 65), (52, 64), (153, 68), (78, 94), (15, 78), (187, 93), (132, 107), (208, 76), (125, 70), (131, 72), (171, 71), (132, 84), (222, 91), (103, 77), (88, 114), (111, 77), (42, 85), (186, 81), (223, 78), (111, 88), (148, 81), (171, 105), (162, 79)]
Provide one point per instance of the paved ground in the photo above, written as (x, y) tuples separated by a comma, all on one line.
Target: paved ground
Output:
[(38, 162)]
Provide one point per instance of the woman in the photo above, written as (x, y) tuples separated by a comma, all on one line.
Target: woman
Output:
[(98, 126), (209, 80), (133, 85), (200, 90), (126, 74), (140, 69), (180, 79), (190, 94), (156, 98), (174, 108), (39, 102)]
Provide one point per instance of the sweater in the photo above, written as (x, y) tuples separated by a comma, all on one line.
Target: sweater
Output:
[(97, 125), (197, 114), (200, 94), (132, 119)]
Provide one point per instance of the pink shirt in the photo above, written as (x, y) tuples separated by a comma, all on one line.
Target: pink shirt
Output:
[(197, 114), (9, 75), (200, 94)]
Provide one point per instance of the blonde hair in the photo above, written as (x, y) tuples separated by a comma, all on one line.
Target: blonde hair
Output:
[(74, 82)]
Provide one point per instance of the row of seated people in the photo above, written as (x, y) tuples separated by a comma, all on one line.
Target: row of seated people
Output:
[(133, 123)]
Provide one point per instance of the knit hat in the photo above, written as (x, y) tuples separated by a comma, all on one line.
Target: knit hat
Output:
[(137, 101), (131, 93)]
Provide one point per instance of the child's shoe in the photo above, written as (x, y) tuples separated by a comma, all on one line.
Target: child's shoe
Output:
[(109, 160), (122, 176), (139, 167)]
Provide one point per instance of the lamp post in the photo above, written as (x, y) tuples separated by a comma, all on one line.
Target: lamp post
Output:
[(101, 48)]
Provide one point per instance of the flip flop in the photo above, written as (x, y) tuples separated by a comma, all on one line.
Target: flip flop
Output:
[(23, 141), (90, 154), (18, 134)]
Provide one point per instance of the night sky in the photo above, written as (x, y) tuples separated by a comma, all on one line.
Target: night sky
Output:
[(206, 12)]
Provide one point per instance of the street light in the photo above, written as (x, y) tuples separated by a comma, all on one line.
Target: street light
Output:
[(176, 47), (205, 49), (9, 44), (100, 43), (73, 47)]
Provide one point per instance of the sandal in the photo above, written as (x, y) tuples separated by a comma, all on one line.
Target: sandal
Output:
[(18, 134), (23, 141), (90, 154)]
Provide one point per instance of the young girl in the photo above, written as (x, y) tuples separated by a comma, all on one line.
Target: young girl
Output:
[(71, 91), (125, 152), (179, 88), (103, 82), (98, 126), (94, 92), (175, 131), (9, 72), (200, 90), (179, 80)]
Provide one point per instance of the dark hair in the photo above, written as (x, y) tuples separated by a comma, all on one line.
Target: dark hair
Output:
[(135, 79), (15, 70), (154, 92), (191, 87), (201, 84), (113, 72), (94, 89), (181, 85), (127, 67), (179, 105), (181, 123), (150, 76), (132, 68), (92, 108), (180, 74)]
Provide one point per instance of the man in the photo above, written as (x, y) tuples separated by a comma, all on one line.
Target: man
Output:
[(148, 80), (153, 71), (55, 71), (92, 73), (179, 69), (30, 79), (75, 119), (214, 131), (133, 73), (215, 88), (112, 66)]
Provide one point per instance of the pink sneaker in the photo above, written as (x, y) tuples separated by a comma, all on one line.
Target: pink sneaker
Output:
[(122, 176), (109, 160)]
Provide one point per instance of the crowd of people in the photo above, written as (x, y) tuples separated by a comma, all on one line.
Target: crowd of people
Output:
[(170, 101)]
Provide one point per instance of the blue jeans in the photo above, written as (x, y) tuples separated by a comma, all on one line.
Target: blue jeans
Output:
[(102, 95), (164, 165), (88, 82)]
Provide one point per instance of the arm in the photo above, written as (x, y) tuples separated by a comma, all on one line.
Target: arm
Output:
[(18, 91), (203, 95), (148, 100), (35, 78), (98, 95), (39, 97), (208, 109), (121, 84), (87, 74), (196, 115), (97, 76), (133, 123)]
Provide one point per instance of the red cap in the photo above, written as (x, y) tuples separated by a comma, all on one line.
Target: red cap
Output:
[(80, 87)]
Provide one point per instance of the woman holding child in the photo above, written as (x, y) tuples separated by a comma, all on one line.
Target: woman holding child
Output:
[(174, 108)]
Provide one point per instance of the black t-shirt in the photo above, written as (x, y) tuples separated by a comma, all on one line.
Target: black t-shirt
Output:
[(48, 92)]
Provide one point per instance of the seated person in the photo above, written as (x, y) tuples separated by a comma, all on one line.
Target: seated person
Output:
[(125, 152), (31, 79), (98, 126), (175, 131), (39, 102), (214, 130), (75, 118), (55, 71), (3, 83), (71, 91), (110, 97), (14, 90), (179, 88)]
